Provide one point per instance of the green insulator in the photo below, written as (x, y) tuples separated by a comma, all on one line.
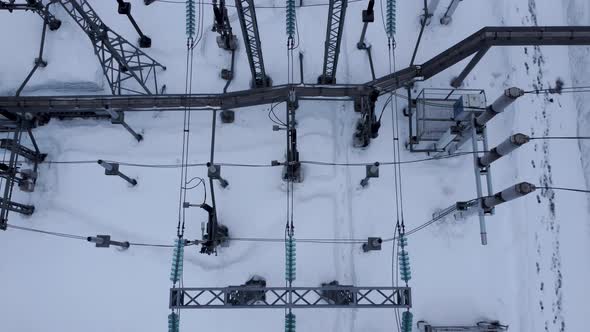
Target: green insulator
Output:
[(190, 18), (290, 322), (390, 18), (290, 260), (404, 266), (407, 318), (290, 19), (404, 259), (403, 241), (177, 260), (173, 323)]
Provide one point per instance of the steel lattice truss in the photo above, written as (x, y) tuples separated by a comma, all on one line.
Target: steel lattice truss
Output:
[(247, 15), (121, 61), (336, 15), (285, 297), (11, 173)]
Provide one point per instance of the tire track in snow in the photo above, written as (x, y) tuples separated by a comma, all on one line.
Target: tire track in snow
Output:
[(549, 291), (344, 216)]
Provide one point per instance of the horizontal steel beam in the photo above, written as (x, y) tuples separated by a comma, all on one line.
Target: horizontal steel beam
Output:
[(485, 38), (230, 100), (250, 297)]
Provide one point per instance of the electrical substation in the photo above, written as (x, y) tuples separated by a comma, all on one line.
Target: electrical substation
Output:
[(438, 122)]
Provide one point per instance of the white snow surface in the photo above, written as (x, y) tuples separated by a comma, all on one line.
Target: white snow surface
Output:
[(532, 275)]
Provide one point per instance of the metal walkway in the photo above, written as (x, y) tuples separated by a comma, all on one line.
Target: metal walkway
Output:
[(481, 40), (175, 102)]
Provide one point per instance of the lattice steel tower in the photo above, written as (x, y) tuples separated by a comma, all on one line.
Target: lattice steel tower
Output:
[(247, 15), (336, 15), (120, 60)]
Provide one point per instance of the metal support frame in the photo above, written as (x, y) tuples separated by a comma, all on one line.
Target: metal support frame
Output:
[(430, 9), (470, 124), (120, 60), (104, 241), (489, 36), (457, 81), (484, 38), (39, 62), (112, 169), (216, 233), (447, 18), (36, 6), (35, 156), (480, 172), (483, 176), (437, 118), (483, 326), (221, 24), (292, 170), (335, 26), (368, 17), (371, 171), (118, 117), (247, 15), (289, 297), (367, 126), (372, 244), (15, 149), (124, 8)]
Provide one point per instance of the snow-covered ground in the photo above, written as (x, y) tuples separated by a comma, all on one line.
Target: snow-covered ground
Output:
[(532, 275)]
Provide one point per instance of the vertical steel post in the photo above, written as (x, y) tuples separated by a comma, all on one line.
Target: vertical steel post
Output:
[(476, 169), (448, 16)]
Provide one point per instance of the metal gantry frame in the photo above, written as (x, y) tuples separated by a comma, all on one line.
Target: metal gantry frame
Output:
[(470, 125), (247, 15), (120, 60), (289, 297), (11, 171), (36, 6), (484, 38), (335, 26)]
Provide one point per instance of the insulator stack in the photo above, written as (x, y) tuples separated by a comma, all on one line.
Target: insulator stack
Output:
[(290, 260), (290, 19), (177, 260), (173, 322), (407, 318), (290, 322), (390, 18), (404, 260), (190, 18)]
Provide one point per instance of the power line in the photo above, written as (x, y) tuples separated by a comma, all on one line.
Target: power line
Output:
[(257, 7), (63, 235), (561, 137), (566, 189), (282, 240), (81, 237), (309, 162), (560, 90)]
